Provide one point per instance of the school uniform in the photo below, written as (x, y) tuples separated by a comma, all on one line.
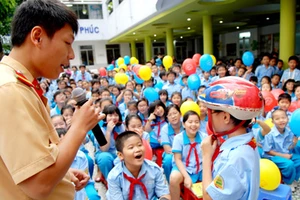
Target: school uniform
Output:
[(236, 170), (187, 92), (171, 88), (287, 74), (167, 137), (144, 119), (262, 71), (278, 71), (155, 134), (55, 111), (202, 129), (248, 76), (191, 155), (205, 82), (150, 183), (281, 143), (122, 107), (83, 77), (105, 160)]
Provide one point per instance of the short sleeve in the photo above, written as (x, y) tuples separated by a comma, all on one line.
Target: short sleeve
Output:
[(28, 141), (165, 136), (114, 191), (161, 186), (177, 144), (227, 185), (268, 142)]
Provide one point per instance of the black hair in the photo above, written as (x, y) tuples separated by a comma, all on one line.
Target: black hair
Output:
[(161, 74), (111, 109), (61, 131), (295, 58), (95, 91), (239, 60), (105, 99), (176, 93), (121, 138), (132, 116), (172, 106), (66, 107), (95, 81), (58, 93), (163, 92), (51, 15), (279, 60), (285, 96), (286, 82), (154, 105), (141, 100), (296, 85), (266, 77), (103, 90), (128, 90), (171, 72), (82, 65), (188, 114), (275, 75), (253, 78), (266, 55), (132, 102)]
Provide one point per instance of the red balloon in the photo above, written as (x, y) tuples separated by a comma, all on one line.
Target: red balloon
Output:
[(196, 58), (270, 101), (189, 66), (136, 70), (102, 71), (294, 106), (277, 92), (148, 150)]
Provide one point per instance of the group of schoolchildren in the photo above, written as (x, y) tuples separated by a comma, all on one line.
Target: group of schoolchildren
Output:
[(131, 120)]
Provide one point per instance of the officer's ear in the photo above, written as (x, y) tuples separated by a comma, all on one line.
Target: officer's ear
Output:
[(36, 35)]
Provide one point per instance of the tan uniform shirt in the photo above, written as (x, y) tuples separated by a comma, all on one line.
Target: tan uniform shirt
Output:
[(28, 140)]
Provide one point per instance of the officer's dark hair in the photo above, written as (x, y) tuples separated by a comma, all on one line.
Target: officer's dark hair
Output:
[(120, 140), (51, 15)]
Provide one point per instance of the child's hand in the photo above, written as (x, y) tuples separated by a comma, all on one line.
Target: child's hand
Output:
[(152, 117), (208, 147), (110, 126), (287, 156), (188, 182)]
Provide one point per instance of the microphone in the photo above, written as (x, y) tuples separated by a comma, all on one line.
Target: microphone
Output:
[(78, 95)]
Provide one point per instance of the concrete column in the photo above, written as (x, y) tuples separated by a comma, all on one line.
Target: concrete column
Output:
[(148, 48), (169, 41), (287, 29), (207, 35), (133, 49)]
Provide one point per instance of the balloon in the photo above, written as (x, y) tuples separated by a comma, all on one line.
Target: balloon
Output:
[(270, 176), (294, 122), (196, 58), (206, 62), (168, 62), (123, 66), (116, 69), (127, 60), (121, 78), (181, 82), (248, 58), (194, 82), (148, 150), (158, 62), (138, 80), (189, 106), (145, 73), (270, 101), (120, 61), (214, 59), (294, 105), (277, 92), (133, 60), (102, 71), (159, 85), (136, 69), (151, 94), (189, 66), (110, 67), (269, 122)]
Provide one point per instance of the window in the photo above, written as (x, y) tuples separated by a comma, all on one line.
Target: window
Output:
[(244, 42), (113, 52), (84, 11), (158, 47), (87, 55)]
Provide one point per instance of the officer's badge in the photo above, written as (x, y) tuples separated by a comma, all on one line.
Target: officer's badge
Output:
[(219, 182)]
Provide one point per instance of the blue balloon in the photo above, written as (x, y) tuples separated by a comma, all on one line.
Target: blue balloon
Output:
[(181, 83), (248, 58), (194, 82), (294, 122), (138, 80), (206, 62), (158, 62), (159, 85), (151, 94), (127, 60), (110, 67)]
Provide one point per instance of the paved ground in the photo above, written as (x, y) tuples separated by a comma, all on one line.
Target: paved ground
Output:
[(102, 190)]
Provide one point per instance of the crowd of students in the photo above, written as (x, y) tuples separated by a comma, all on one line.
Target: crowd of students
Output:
[(130, 117)]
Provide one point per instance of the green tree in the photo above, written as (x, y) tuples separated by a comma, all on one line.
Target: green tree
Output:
[(6, 14)]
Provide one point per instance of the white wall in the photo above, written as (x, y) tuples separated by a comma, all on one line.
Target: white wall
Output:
[(125, 49), (99, 48)]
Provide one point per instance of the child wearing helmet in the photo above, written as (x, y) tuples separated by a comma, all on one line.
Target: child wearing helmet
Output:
[(230, 157)]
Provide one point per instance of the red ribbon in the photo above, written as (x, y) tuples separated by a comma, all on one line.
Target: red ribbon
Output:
[(158, 124), (193, 146), (133, 182)]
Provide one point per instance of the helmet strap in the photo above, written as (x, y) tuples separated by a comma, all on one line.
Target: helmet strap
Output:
[(220, 134)]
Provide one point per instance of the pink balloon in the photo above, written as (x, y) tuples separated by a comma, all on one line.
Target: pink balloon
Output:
[(148, 150), (270, 101), (102, 71), (277, 92), (196, 58), (294, 106)]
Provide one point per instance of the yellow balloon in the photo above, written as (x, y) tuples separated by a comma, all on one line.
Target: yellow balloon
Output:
[(120, 61), (121, 78), (269, 122), (189, 106), (133, 61), (214, 59), (145, 73), (116, 69), (168, 62), (270, 176), (123, 66)]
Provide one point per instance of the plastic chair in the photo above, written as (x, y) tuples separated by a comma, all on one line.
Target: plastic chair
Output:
[(283, 192), (187, 194), (158, 153)]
